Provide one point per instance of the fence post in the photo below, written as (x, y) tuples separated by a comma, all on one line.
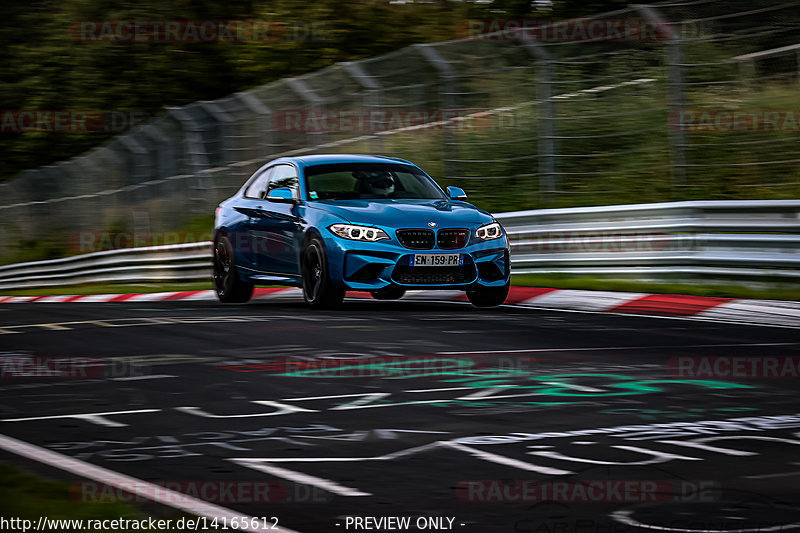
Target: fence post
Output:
[(165, 155), (198, 161), (548, 177), (372, 98), (677, 99), (265, 144), (447, 95), (313, 103)]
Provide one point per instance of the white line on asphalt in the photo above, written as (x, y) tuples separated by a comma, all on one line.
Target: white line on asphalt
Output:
[(695, 318), (96, 418), (138, 378), (136, 486), (778, 474), (507, 461), (601, 348), (298, 477), (440, 390), (625, 517)]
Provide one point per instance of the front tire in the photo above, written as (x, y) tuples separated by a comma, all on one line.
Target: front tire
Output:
[(229, 287), (488, 296), (318, 289)]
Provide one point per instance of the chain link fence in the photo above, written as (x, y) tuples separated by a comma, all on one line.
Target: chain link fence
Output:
[(563, 119)]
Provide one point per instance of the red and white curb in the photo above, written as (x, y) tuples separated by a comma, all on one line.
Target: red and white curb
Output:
[(764, 312)]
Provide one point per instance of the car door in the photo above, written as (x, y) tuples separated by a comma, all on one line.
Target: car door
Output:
[(250, 204), (276, 232)]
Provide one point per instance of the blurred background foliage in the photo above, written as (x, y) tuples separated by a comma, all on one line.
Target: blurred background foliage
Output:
[(41, 67)]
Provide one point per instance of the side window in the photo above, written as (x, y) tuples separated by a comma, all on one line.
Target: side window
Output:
[(258, 185), (285, 176)]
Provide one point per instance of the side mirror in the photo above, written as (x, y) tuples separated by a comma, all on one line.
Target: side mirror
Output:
[(456, 193), (281, 195)]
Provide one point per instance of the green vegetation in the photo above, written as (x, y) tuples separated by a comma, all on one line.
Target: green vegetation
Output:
[(27, 496), (43, 66)]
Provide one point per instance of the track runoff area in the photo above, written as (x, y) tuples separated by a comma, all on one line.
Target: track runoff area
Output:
[(404, 416)]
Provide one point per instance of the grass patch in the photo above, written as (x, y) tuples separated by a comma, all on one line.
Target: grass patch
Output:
[(26, 496)]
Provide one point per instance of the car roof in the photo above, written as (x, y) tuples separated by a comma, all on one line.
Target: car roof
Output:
[(323, 159)]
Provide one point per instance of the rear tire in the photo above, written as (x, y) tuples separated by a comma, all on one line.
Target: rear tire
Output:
[(229, 287), (392, 292), (488, 296), (318, 290)]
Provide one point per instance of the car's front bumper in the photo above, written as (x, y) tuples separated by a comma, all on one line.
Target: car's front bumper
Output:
[(363, 266)]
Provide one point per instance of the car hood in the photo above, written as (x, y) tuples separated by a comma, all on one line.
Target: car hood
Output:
[(407, 213)]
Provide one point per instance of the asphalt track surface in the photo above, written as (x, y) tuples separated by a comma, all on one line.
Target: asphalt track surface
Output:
[(501, 420)]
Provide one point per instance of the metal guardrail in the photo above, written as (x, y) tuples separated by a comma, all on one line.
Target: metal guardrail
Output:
[(740, 240), (174, 262)]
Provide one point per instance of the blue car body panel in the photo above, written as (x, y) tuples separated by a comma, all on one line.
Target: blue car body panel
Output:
[(268, 237)]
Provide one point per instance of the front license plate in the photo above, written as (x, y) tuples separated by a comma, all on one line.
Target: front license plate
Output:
[(437, 260)]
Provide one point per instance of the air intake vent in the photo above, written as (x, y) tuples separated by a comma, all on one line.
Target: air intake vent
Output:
[(451, 239), (416, 239), (433, 275)]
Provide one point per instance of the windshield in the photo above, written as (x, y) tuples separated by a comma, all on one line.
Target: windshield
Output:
[(349, 181)]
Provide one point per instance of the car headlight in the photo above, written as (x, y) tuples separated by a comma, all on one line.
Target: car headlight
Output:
[(489, 232), (358, 233)]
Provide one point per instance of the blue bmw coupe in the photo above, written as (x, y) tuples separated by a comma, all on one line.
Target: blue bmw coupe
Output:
[(333, 223)]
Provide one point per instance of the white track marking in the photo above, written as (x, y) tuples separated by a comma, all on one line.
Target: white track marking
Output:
[(755, 312), (149, 297), (410, 451), (615, 348), (578, 299), (52, 299), (708, 448), (744, 321), (96, 418), (624, 517), (332, 397), (202, 295), (573, 386), (94, 298), (138, 378), (778, 474), (298, 477), (507, 461), (155, 493), (482, 393), (290, 292), (771, 313), (440, 390)]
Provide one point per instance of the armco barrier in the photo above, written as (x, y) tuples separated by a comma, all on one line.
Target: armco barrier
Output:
[(735, 240)]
